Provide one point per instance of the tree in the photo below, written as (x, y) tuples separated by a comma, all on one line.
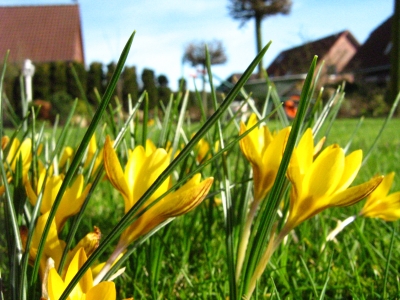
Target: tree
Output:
[(129, 86), (72, 84), (95, 80), (58, 77), (244, 10), (41, 81), (164, 92), (195, 54), (149, 85), (111, 67)]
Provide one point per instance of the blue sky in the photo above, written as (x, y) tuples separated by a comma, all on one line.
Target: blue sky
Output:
[(163, 29)]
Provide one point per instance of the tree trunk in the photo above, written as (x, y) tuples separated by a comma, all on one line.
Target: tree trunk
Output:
[(395, 54), (259, 45)]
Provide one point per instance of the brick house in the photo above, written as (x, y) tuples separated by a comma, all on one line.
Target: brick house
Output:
[(335, 51), (41, 33), (371, 63)]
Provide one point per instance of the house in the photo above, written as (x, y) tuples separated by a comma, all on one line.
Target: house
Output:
[(289, 69), (334, 51), (41, 33), (371, 63)]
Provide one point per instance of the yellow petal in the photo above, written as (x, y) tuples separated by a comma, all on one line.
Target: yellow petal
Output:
[(136, 160), (148, 172), (352, 166), (114, 171), (356, 193), (325, 173), (383, 189), (55, 285), (51, 189), (305, 151), (86, 282), (72, 201), (103, 291), (177, 203), (66, 155)]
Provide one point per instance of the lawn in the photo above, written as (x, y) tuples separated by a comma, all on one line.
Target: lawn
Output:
[(199, 212)]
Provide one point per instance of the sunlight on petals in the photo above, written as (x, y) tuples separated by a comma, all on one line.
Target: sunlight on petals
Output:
[(324, 183), (264, 151), (381, 204)]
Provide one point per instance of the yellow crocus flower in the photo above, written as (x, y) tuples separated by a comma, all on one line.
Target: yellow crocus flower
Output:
[(24, 149), (84, 289), (71, 201), (66, 156), (53, 247), (17, 150), (317, 184), (381, 204), (264, 151), (93, 155), (324, 182), (141, 170)]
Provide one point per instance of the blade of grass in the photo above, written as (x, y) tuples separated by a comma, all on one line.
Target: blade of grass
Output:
[(388, 258), (314, 288)]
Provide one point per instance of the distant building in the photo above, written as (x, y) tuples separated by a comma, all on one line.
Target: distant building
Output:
[(335, 51), (290, 67), (41, 33), (371, 64)]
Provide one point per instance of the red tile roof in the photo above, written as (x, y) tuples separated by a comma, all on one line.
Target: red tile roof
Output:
[(297, 60), (41, 33)]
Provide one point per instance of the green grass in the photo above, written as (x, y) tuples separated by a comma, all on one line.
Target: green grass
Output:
[(192, 255), (186, 259)]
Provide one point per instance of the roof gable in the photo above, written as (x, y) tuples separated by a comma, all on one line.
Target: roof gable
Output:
[(374, 54), (41, 33), (297, 60)]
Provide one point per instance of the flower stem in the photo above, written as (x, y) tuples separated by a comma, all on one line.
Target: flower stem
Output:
[(113, 257), (272, 246), (245, 238)]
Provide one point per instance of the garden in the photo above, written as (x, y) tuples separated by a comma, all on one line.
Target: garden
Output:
[(239, 205)]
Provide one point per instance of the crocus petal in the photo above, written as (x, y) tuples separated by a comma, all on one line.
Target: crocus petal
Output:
[(149, 171), (72, 201), (383, 189), (66, 155), (114, 171), (356, 193), (56, 285), (249, 149), (303, 150), (51, 189), (174, 204), (104, 290), (86, 282), (325, 173), (352, 166)]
